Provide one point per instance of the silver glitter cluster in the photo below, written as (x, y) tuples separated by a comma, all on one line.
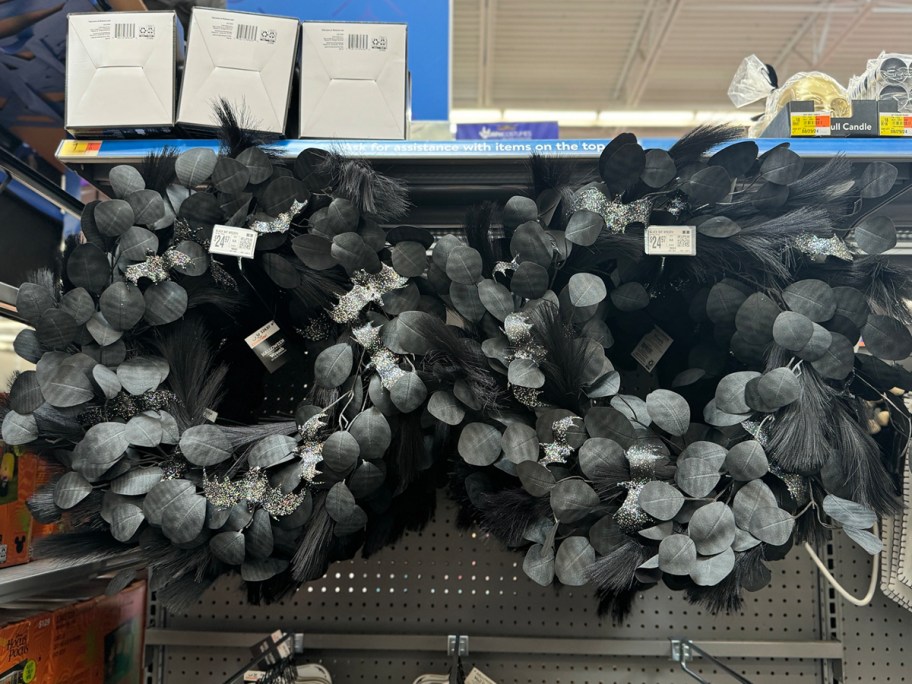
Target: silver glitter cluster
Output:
[(384, 361), (173, 468), (617, 214), (504, 266), (518, 330), (124, 406), (796, 485), (559, 450), (820, 248), (368, 287), (528, 396), (316, 329), (310, 451), (630, 517), (157, 268), (279, 224), (644, 458), (255, 490), (221, 277)]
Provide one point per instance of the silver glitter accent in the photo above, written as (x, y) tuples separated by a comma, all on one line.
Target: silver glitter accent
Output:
[(758, 429), (255, 490), (796, 485), (528, 397), (617, 214), (157, 268), (280, 224), (310, 451), (173, 469), (630, 517), (316, 329), (820, 248), (221, 277), (676, 206), (559, 450), (124, 406), (368, 287), (382, 359), (518, 330), (504, 266), (644, 458)]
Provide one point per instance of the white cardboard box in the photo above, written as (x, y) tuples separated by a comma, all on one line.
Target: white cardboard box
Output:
[(247, 59), (353, 80), (120, 71)]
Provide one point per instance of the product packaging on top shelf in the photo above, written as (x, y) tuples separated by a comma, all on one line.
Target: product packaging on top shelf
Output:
[(887, 78), (354, 80), (246, 59), (120, 73)]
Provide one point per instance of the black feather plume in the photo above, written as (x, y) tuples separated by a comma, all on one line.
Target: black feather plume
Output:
[(86, 545), (618, 605), (318, 289), (549, 173), (312, 557), (194, 377), (406, 453), (855, 470), (178, 596), (41, 504), (886, 283), (565, 362), (237, 131), (616, 572), (478, 234), (508, 513), (376, 195), (698, 142), (158, 169)]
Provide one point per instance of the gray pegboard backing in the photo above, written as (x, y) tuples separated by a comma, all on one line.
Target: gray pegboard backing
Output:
[(443, 581), (876, 637)]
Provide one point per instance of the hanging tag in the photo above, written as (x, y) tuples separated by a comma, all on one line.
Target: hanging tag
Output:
[(210, 415), (254, 675), (232, 241), (269, 344), (671, 240), (476, 676), (651, 348)]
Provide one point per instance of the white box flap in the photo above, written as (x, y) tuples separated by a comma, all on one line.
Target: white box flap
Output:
[(247, 59), (353, 80), (120, 69)]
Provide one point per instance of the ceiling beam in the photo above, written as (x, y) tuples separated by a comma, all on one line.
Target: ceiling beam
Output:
[(796, 38), (863, 11), (634, 50), (655, 51)]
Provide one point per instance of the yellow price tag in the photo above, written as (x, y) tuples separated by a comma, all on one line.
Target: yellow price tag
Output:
[(895, 124), (79, 148), (810, 124), (29, 671)]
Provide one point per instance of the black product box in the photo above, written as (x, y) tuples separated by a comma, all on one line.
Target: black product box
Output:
[(798, 120)]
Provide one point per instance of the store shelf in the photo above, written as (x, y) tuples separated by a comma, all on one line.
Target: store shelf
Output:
[(48, 575), (132, 151)]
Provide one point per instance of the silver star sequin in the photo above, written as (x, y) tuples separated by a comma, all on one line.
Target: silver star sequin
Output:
[(630, 517), (369, 287), (310, 451), (157, 268), (280, 224), (617, 214), (819, 248), (385, 362), (559, 450)]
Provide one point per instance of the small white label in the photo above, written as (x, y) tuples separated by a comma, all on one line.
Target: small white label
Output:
[(254, 675), (210, 415), (232, 241), (652, 348), (671, 240), (476, 676), (262, 334)]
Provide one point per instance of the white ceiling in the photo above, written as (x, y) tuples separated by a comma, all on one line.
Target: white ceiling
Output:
[(655, 54)]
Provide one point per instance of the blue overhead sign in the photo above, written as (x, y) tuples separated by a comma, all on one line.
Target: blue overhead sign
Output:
[(538, 130), (429, 33)]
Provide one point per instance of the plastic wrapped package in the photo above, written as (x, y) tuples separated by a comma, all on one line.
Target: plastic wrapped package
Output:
[(888, 77), (752, 82)]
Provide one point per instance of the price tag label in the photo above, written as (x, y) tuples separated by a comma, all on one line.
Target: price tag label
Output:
[(671, 240), (896, 125), (79, 148), (652, 348), (810, 124), (232, 241), (210, 415)]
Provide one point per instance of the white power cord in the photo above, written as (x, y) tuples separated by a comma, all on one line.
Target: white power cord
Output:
[(872, 588)]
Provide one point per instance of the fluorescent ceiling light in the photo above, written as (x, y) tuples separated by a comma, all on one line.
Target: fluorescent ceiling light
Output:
[(664, 119)]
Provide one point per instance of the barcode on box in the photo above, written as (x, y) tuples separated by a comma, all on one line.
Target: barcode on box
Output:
[(651, 348), (246, 32), (124, 30), (357, 41)]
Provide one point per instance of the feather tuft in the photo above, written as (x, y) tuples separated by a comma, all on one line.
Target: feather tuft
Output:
[(312, 557), (237, 130), (700, 141)]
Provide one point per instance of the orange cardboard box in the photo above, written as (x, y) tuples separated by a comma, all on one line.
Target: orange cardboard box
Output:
[(120, 624), (25, 651), (74, 645)]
